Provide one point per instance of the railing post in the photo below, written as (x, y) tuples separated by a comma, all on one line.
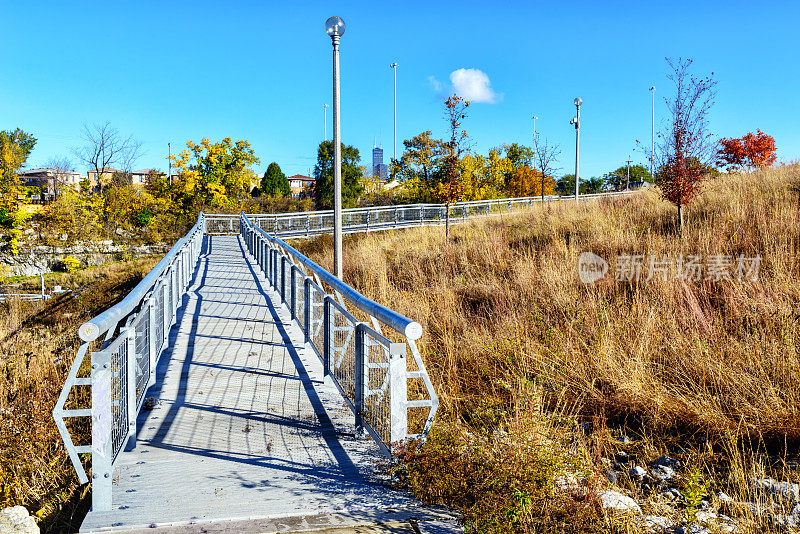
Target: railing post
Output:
[(275, 269), (164, 314), (308, 225), (398, 392), (395, 217), (307, 308), (102, 422), (293, 293), (151, 332), (359, 371), (174, 282), (420, 215), (327, 332), (283, 278), (130, 370)]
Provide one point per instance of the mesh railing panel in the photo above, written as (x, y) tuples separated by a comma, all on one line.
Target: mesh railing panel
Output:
[(343, 350), (168, 300), (286, 281), (377, 408), (119, 395), (142, 345), (299, 291), (222, 225), (159, 326), (317, 327)]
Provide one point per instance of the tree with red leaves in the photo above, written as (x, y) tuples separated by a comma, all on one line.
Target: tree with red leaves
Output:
[(449, 189), (753, 151), (685, 148)]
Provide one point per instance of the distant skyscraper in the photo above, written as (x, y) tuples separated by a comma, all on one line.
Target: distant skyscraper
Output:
[(379, 170)]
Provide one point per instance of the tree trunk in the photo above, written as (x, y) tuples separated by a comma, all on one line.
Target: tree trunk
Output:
[(447, 222), (680, 218)]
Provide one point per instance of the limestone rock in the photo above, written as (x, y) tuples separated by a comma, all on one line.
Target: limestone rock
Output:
[(638, 472), (692, 529), (786, 492), (614, 502), (657, 523), (15, 520)]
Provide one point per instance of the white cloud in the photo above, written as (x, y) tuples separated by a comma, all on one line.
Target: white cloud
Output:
[(473, 85), (436, 84)]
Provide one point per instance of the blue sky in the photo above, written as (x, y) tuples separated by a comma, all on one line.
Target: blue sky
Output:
[(178, 71)]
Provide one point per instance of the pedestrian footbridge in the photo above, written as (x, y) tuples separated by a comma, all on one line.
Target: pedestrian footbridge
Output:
[(242, 384)]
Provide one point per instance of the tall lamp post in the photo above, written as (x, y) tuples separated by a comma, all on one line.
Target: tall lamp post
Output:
[(534, 117), (394, 66), (577, 122), (334, 27), (653, 132), (325, 120)]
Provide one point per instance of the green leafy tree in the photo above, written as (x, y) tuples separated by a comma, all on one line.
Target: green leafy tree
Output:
[(566, 185), (618, 179), (323, 174), (15, 147), (274, 182), (420, 159)]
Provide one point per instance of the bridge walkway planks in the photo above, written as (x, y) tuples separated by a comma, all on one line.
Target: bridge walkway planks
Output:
[(242, 426)]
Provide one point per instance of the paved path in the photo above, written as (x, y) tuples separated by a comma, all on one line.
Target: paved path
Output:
[(242, 427)]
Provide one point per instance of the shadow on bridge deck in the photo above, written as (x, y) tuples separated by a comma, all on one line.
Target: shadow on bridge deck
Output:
[(241, 425)]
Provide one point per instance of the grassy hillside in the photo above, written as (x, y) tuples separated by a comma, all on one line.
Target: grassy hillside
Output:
[(522, 350), (38, 342)]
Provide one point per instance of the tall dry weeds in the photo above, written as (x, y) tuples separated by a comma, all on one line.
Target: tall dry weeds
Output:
[(691, 360), (38, 342)]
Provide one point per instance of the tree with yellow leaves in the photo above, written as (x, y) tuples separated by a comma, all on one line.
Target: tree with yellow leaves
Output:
[(15, 147), (210, 174), (528, 182)]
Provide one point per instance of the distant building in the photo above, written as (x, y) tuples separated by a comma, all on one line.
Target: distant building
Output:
[(379, 170), (104, 176), (48, 179), (137, 178), (142, 177), (301, 186)]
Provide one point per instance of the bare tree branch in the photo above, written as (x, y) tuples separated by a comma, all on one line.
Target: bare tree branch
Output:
[(104, 147), (61, 165), (546, 158)]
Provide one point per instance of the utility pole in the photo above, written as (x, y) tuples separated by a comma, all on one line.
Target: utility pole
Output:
[(169, 163), (325, 120), (653, 132), (577, 122), (628, 179), (394, 66)]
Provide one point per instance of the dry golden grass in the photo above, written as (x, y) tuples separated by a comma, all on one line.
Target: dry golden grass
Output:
[(38, 342), (711, 363)]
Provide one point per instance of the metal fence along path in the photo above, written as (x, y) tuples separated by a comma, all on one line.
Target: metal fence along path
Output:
[(241, 424), (236, 382), (305, 224), (240, 380)]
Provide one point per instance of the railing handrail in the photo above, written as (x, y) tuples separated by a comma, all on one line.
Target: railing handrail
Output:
[(453, 205), (405, 326), (95, 327)]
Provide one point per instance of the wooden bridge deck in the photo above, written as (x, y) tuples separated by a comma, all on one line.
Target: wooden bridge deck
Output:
[(242, 427)]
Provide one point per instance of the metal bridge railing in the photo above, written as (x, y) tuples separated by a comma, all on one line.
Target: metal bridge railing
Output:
[(307, 223), (136, 332), (370, 370)]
